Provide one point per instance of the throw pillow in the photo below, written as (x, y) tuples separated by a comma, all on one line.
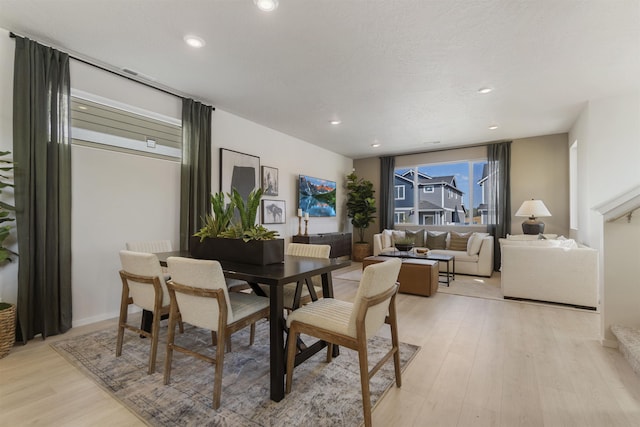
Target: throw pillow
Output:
[(475, 242), (418, 237), (395, 235), (459, 241), (386, 239), (436, 240)]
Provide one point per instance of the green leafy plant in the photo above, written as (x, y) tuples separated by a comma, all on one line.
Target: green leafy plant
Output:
[(221, 222), (6, 180), (361, 205)]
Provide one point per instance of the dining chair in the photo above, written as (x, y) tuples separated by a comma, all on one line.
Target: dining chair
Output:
[(297, 294), (351, 324), (199, 296), (143, 285)]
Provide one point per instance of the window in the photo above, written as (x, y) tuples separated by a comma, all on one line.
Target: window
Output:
[(108, 124), (400, 217), (463, 203), (399, 192)]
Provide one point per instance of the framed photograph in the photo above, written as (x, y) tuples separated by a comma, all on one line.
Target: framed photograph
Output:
[(240, 171), (273, 211), (269, 181)]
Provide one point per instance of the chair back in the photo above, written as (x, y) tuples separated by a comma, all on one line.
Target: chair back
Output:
[(147, 265), (198, 310), (376, 279), (151, 246), (312, 251)]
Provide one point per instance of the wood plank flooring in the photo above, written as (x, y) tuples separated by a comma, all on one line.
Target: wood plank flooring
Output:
[(483, 362)]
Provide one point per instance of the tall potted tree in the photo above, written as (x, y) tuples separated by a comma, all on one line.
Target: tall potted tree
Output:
[(361, 207)]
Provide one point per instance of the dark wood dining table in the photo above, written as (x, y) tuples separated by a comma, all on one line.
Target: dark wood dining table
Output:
[(293, 269)]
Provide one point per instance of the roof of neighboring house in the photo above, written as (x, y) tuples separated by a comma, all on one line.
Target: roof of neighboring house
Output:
[(409, 173), (404, 178), (482, 207), (448, 180)]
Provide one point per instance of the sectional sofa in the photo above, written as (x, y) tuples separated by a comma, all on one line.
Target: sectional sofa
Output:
[(473, 251)]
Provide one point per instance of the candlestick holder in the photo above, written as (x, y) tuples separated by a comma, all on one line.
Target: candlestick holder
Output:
[(299, 226), (306, 227)]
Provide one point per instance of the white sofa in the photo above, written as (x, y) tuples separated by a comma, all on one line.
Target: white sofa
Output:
[(476, 261), (552, 270)]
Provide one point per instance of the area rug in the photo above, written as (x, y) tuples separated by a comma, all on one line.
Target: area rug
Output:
[(323, 394)]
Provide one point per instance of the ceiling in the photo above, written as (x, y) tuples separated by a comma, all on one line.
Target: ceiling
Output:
[(401, 73)]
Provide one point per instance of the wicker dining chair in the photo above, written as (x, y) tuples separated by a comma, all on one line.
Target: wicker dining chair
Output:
[(351, 324)]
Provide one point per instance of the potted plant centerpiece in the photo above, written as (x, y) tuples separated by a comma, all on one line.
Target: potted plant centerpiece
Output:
[(7, 310), (239, 239), (361, 205)]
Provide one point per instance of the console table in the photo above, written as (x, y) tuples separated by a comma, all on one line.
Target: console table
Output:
[(340, 242)]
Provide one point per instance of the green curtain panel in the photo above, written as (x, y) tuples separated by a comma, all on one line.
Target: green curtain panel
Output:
[(195, 178), (42, 155), (499, 195), (387, 188)]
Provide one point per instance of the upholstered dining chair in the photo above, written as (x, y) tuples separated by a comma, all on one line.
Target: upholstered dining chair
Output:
[(351, 324), (199, 296), (309, 290), (143, 285)]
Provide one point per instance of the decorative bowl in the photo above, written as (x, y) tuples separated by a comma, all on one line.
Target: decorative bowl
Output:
[(404, 247)]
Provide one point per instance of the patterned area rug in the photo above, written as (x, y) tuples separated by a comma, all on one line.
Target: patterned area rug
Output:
[(322, 394)]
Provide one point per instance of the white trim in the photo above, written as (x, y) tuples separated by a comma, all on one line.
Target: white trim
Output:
[(121, 142), (76, 93)]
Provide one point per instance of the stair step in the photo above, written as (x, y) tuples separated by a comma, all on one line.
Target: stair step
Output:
[(629, 344)]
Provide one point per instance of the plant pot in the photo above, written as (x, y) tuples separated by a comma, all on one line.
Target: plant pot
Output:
[(258, 252), (7, 327), (361, 251)]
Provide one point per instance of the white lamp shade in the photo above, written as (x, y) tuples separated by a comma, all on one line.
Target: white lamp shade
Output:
[(533, 208)]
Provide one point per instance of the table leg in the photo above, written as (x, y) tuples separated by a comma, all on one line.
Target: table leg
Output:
[(276, 336)]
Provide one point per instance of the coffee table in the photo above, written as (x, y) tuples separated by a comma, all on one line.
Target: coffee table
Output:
[(449, 260)]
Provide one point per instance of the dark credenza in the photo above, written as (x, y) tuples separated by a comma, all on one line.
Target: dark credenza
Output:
[(340, 242)]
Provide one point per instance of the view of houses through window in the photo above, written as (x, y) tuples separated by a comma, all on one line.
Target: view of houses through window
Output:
[(441, 194)]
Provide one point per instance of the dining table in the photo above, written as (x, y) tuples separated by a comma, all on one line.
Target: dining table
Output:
[(294, 269)]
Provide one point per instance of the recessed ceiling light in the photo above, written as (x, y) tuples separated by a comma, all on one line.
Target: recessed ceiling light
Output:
[(335, 122), (485, 90), (194, 41), (82, 107), (266, 5), (376, 145), (493, 127)]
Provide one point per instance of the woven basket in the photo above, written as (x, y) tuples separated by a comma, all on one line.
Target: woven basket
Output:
[(7, 327)]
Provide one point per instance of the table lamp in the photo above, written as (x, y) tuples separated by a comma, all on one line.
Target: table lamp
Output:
[(533, 209)]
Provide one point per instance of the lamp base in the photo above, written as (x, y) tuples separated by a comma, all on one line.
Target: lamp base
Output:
[(532, 226)]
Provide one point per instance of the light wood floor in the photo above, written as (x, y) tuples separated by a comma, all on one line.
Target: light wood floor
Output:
[(483, 362)]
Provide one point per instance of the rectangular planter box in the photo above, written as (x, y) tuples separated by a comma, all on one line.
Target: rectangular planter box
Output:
[(258, 252)]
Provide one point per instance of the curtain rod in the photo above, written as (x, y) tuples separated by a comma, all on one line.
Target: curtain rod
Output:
[(120, 74)]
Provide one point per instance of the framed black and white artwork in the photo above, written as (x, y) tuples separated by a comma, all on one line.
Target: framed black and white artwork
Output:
[(269, 181), (240, 171), (273, 211)]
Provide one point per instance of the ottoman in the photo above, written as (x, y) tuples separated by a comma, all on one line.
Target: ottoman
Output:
[(417, 276)]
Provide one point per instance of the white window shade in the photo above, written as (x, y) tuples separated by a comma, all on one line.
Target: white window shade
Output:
[(96, 122)]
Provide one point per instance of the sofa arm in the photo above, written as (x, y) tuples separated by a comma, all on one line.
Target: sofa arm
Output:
[(485, 257), (377, 244)]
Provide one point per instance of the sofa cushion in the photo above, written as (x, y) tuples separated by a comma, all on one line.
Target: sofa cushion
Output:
[(460, 256), (475, 242), (436, 240), (459, 241), (418, 237)]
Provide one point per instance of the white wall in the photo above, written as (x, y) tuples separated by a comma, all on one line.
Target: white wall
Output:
[(119, 197), (8, 272), (608, 135)]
